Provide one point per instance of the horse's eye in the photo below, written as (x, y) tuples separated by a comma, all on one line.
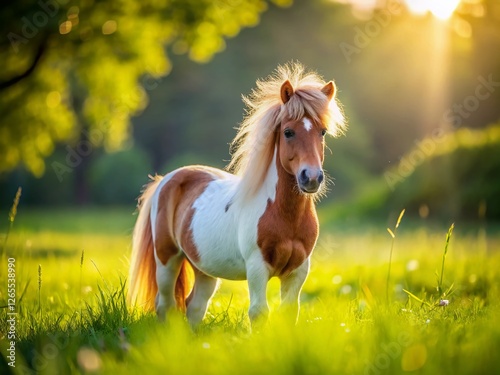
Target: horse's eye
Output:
[(323, 132), (288, 133)]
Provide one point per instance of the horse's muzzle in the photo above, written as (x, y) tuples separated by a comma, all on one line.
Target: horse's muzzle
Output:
[(310, 179)]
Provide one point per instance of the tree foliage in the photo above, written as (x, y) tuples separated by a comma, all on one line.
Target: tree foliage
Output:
[(80, 69), (402, 77)]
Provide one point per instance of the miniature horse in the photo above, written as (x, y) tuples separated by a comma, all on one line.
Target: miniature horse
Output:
[(198, 224)]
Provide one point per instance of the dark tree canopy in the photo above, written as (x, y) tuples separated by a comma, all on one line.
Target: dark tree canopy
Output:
[(84, 66)]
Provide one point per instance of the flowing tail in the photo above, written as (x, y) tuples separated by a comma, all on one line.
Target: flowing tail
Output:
[(142, 276)]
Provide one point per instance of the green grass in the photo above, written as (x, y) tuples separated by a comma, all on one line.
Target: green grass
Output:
[(73, 319)]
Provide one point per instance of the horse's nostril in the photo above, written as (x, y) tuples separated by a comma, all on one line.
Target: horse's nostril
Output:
[(320, 177), (303, 176)]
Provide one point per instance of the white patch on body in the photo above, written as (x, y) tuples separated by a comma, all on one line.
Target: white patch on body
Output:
[(307, 123), (227, 239)]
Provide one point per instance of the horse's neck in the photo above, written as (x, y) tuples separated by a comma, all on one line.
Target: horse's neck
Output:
[(291, 202)]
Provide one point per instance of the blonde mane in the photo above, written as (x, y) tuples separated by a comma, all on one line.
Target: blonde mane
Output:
[(253, 146)]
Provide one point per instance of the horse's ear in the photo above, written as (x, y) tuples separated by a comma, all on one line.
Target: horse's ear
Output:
[(286, 91), (329, 90)]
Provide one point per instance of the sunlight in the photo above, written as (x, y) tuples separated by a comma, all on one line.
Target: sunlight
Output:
[(437, 79), (442, 9), (437, 52), (419, 7)]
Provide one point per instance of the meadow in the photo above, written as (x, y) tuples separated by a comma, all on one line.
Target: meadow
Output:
[(71, 268)]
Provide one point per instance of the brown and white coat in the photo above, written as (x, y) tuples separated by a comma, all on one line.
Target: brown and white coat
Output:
[(198, 224)]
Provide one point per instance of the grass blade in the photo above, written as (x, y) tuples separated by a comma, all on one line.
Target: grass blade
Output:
[(448, 238), (410, 294), (400, 217)]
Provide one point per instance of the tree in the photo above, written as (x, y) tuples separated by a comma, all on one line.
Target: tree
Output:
[(78, 70)]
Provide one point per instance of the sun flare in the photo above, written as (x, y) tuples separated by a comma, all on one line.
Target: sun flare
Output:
[(442, 9)]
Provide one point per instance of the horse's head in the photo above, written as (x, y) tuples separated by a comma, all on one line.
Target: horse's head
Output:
[(302, 143)]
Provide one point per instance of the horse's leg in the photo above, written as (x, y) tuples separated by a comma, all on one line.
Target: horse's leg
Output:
[(291, 285), (197, 304), (258, 277), (166, 278)]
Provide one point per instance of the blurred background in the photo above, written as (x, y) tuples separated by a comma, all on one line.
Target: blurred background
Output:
[(95, 95)]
